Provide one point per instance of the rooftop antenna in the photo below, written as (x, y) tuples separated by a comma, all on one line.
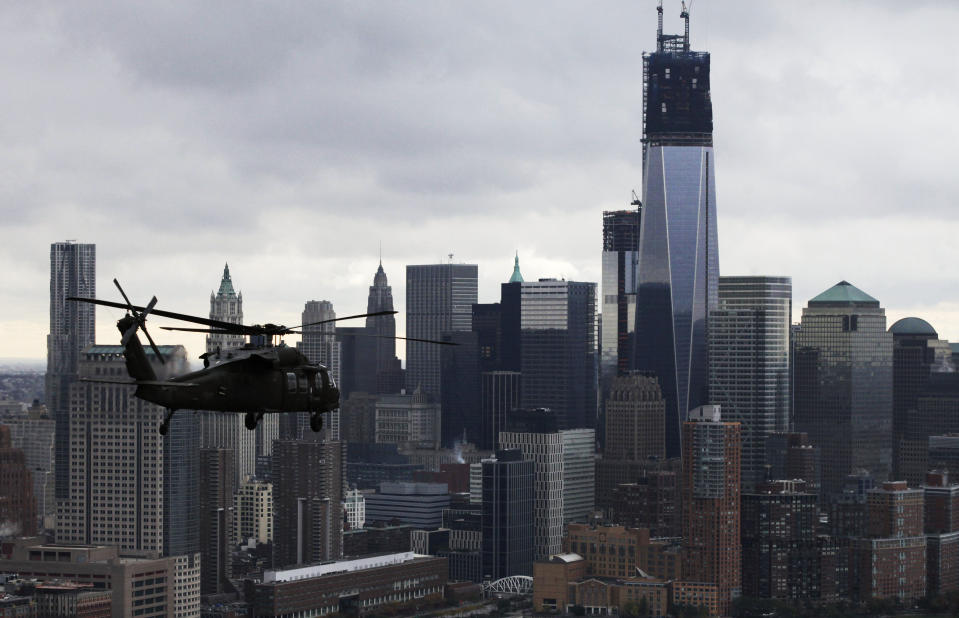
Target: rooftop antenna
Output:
[(451, 257), (685, 15), (659, 28)]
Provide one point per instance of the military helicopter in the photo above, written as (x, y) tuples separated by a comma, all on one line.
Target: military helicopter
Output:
[(262, 377)]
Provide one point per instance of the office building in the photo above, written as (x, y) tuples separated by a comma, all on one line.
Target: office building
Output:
[(116, 456), (635, 432), (579, 474), (891, 558), (543, 445), (620, 257), (439, 299), (396, 582), (652, 500), (408, 419), (555, 324), (749, 362), (419, 504), (508, 488), (319, 344), (253, 512), (780, 554), (919, 358), (34, 433), (388, 371), (72, 329), (499, 395), (609, 551), (711, 502), (18, 507), (181, 486), (678, 247), (127, 577), (460, 388), (358, 418), (357, 361), (843, 384), (941, 505), (307, 501), (487, 323), (216, 520), (789, 455), (465, 552)]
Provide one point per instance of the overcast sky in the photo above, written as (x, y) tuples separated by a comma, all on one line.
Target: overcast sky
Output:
[(291, 139)]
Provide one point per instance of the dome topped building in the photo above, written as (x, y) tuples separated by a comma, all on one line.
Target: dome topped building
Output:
[(913, 326)]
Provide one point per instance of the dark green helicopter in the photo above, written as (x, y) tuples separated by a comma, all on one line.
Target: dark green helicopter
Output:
[(261, 377)]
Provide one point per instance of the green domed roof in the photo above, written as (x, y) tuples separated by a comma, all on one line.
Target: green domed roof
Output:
[(913, 326), (844, 293)]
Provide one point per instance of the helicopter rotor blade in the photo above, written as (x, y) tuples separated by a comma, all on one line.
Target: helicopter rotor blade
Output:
[(299, 332), (124, 294), (348, 317), (166, 314), (142, 321), (215, 331)]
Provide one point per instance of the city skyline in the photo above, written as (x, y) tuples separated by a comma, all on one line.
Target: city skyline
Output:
[(554, 137)]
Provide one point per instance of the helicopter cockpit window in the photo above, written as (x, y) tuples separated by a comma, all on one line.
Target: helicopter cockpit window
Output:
[(291, 382), (302, 384)]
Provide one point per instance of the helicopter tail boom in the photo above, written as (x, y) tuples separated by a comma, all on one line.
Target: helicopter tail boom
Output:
[(138, 366)]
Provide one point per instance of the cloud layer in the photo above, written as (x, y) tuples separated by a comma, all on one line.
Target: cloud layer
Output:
[(291, 140)]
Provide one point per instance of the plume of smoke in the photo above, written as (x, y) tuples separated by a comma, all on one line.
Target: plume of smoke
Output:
[(9, 529)]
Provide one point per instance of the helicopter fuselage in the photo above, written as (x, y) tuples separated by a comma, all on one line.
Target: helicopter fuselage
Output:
[(248, 379)]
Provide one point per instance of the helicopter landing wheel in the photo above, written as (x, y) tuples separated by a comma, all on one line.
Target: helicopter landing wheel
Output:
[(251, 420), (316, 422)]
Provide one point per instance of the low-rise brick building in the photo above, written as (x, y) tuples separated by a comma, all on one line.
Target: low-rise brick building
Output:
[(403, 581)]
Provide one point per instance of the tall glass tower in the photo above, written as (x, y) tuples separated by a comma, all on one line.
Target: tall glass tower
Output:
[(678, 268), (72, 328), (749, 363)]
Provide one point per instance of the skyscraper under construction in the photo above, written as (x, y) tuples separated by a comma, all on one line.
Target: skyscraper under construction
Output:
[(678, 267)]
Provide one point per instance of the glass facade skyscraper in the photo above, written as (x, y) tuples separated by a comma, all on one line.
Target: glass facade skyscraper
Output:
[(557, 353), (439, 299), (843, 384), (73, 269), (749, 362), (620, 245), (678, 267)]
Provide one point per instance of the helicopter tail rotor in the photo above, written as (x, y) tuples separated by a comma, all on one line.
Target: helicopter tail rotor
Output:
[(139, 321)]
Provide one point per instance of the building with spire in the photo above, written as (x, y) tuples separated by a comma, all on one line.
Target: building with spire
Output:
[(678, 265), (389, 370), (227, 306), (226, 429), (516, 277)]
